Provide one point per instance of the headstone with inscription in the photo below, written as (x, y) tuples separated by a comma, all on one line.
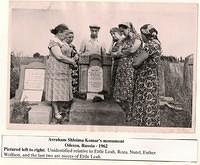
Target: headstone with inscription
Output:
[(31, 83), (95, 75), (31, 89)]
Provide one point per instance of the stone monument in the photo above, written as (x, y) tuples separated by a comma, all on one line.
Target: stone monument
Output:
[(31, 88), (95, 79), (95, 75)]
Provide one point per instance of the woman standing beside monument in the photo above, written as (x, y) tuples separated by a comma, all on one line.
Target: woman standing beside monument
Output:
[(75, 69), (116, 43), (125, 77), (146, 98), (58, 73)]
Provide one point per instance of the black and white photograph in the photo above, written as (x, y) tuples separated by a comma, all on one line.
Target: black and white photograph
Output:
[(103, 64)]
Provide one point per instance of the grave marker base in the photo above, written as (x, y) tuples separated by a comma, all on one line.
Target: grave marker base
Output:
[(40, 114), (90, 96), (99, 113)]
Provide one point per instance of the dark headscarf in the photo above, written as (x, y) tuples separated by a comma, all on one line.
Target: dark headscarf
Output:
[(149, 31)]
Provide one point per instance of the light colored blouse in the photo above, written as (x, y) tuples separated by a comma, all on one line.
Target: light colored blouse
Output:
[(93, 46)]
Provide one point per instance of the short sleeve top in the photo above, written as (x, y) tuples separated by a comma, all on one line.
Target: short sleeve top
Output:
[(55, 66), (65, 48)]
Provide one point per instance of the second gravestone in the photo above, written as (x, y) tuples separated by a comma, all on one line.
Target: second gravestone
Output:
[(31, 88)]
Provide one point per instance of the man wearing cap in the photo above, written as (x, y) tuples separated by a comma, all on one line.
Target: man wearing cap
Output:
[(93, 46)]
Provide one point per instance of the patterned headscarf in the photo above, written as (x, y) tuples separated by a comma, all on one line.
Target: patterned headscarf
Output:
[(149, 31), (115, 29), (129, 25)]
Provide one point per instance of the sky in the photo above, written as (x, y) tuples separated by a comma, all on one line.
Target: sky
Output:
[(176, 24)]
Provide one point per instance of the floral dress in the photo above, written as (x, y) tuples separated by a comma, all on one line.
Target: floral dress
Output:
[(123, 91), (58, 85), (146, 98), (75, 72)]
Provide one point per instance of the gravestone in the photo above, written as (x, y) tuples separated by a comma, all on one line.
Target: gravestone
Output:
[(95, 75), (95, 79), (31, 84), (31, 88)]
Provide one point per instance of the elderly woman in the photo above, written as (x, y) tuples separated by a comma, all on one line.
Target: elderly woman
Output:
[(58, 73), (75, 70), (125, 77), (146, 98)]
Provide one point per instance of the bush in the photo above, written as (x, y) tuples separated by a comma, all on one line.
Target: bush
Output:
[(14, 82), (175, 118), (19, 112)]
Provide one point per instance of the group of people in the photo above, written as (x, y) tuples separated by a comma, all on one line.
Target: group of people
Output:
[(134, 87)]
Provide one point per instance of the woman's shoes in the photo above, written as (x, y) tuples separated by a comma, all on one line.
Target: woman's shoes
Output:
[(58, 115)]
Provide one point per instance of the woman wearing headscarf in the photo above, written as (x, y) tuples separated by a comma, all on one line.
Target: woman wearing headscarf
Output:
[(75, 69), (125, 77), (58, 88), (146, 97)]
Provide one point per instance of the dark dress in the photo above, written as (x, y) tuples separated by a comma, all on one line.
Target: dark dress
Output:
[(115, 62), (75, 72), (123, 91), (146, 96)]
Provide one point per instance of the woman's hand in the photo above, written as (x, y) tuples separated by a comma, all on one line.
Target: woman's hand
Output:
[(113, 54), (125, 51), (133, 49), (73, 62)]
